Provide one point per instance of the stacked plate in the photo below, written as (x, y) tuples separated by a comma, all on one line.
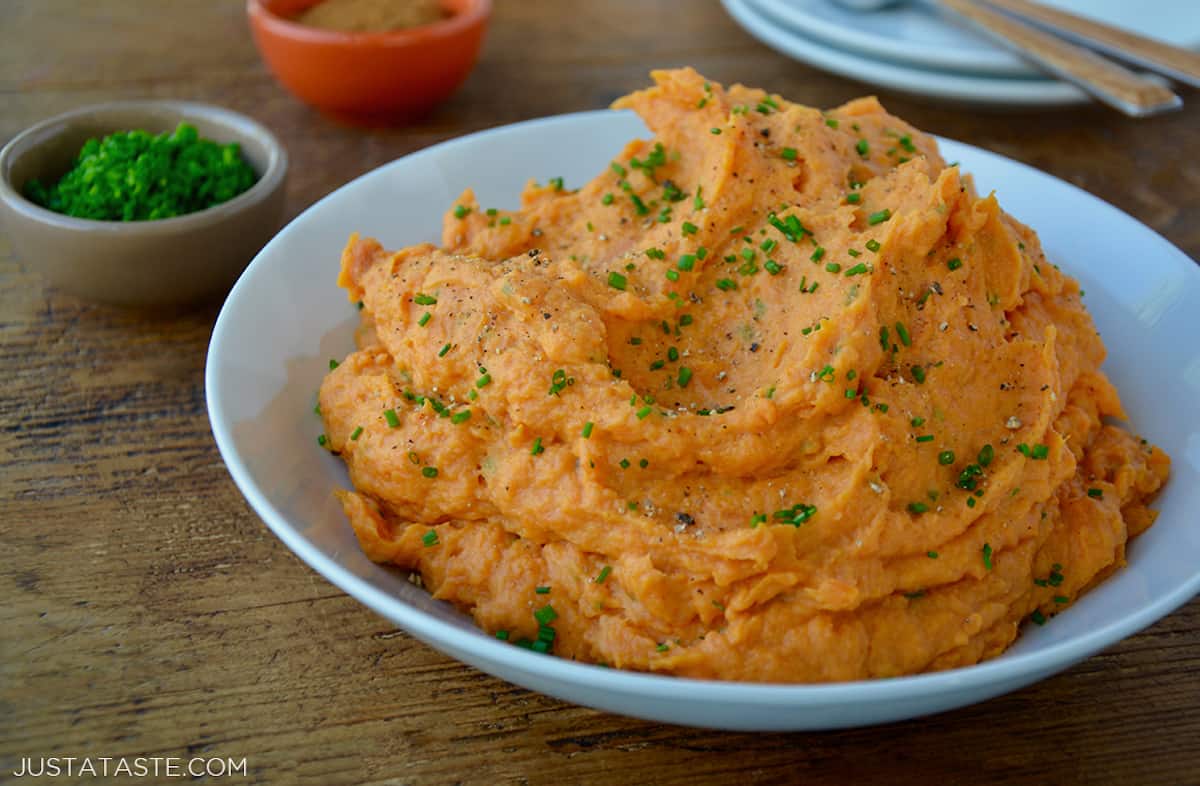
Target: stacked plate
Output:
[(910, 48)]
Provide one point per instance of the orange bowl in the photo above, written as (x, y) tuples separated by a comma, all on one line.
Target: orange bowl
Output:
[(369, 77)]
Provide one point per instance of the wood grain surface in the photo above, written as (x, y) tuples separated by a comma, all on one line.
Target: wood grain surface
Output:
[(146, 611)]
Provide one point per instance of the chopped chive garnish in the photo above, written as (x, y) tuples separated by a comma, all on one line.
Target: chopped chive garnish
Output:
[(862, 147), (917, 422), (686, 262), (643, 412), (391, 417), (483, 381), (987, 556), (1038, 617), (442, 352), (817, 253), (902, 332), (502, 635), (874, 245), (617, 281), (714, 130), (954, 264), (546, 614), (879, 217), (461, 416), (853, 198), (354, 435), (726, 284), (557, 183), (918, 374), (1040, 451), (789, 154), (587, 429), (604, 574), (796, 515), (773, 267), (624, 464), (424, 320), (1024, 450), (917, 507), (688, 228), (946, 457), (1095, 493), (925, 438), (542, 590), (429, 472), (685, 376), (559, 381), (685, 320), (430, 538), (537, 448), (332, 364), (931, 554), (831, 122), (857, 270), (833, 267), (607, 199), (322, 440), (986, 454), (421, 299), (461, 211)]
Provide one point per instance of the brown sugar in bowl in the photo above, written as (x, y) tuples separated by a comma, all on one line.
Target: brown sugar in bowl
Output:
[(369, 78)]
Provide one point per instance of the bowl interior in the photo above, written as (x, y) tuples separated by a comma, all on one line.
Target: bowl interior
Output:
[(288, 10)]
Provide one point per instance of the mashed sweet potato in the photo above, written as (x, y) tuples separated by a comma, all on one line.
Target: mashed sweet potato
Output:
[(775, 397)]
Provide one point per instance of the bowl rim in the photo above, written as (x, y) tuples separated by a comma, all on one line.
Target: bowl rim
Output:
[(475, 13), (239, 125)]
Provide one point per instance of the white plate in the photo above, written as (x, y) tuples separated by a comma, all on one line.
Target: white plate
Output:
[(952, 86), (913, 33), (285, 319)]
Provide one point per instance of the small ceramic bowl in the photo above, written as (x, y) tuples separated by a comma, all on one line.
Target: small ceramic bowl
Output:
[(369, 78), (166, 261)]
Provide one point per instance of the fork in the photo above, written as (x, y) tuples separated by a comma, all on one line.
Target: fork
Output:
[(1023, 26)]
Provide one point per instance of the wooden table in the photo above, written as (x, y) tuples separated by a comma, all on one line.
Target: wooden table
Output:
[(147, 611)]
